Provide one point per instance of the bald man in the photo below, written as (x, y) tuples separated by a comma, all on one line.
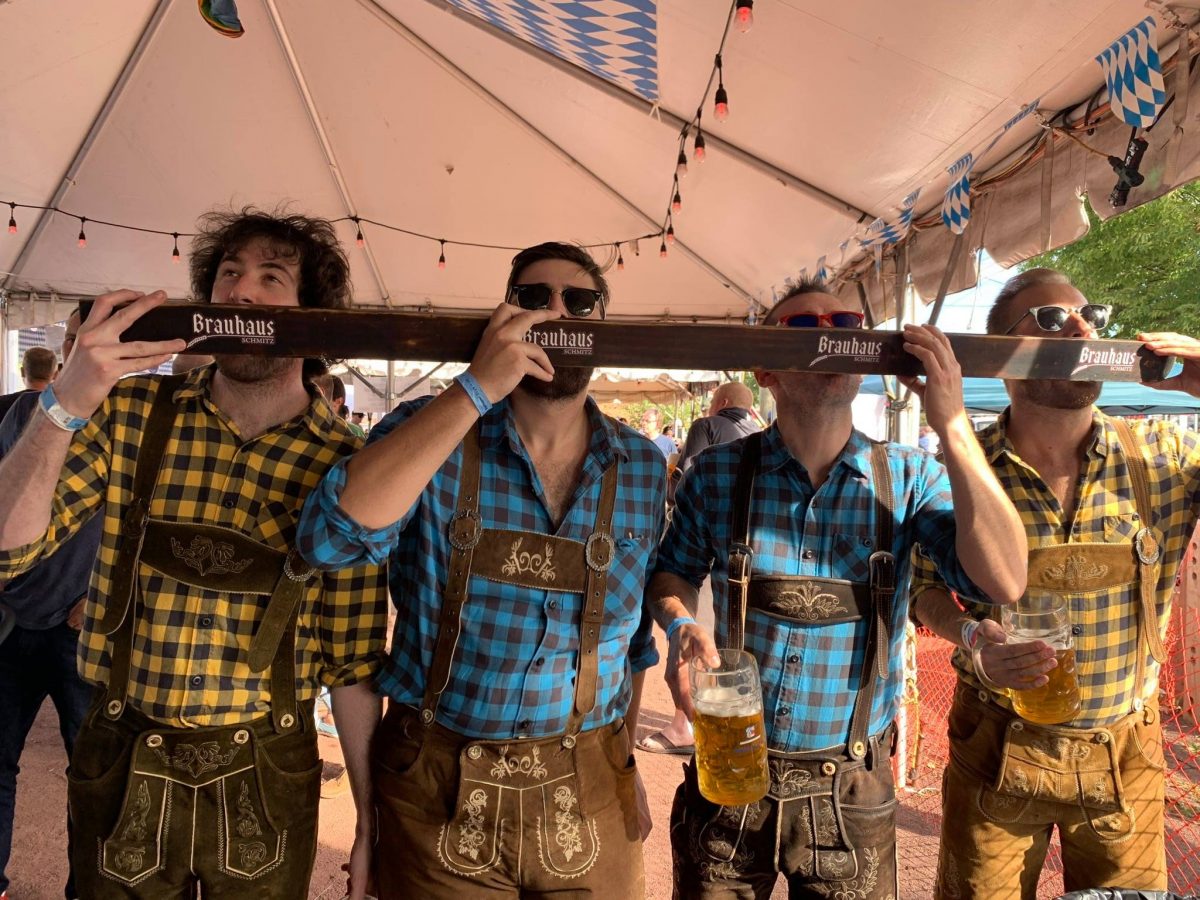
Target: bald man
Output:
[(728, 419)]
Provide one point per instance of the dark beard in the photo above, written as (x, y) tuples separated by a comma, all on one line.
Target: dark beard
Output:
[(252, 369), (569, 381), (1059, 394)]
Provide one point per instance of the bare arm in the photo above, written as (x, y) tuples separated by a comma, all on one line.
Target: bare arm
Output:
[(30, 471), (670, 598), (990, 538), (384, 480), (356, 709), (1017, 666)]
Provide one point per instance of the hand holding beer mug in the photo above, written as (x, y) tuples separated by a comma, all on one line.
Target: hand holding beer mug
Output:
[(1040, 619), (731, 738)]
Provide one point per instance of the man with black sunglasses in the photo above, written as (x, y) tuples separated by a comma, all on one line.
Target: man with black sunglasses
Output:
[(1108, 508), (521, 525), (807, 529)]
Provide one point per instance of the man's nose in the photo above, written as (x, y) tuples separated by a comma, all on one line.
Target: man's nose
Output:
[(242, 290), (1078, 326)]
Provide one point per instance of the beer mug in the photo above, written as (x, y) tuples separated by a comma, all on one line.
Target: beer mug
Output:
[(731, 738), (1045, 616)]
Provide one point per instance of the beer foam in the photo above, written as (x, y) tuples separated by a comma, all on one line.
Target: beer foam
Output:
[(727, 701)]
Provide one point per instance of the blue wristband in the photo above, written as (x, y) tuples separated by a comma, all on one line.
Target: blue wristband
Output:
[(470, 384), (677, 624)]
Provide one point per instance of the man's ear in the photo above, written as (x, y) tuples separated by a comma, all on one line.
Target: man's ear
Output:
[(764, 378)]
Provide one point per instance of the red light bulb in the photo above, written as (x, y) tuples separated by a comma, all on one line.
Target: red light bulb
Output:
[(681, 164), (676, 202), (175, 249), (670, 234), (12, 218), (358, 238), (698, 153), (442, 255), (744, 16), (82, 236), (662, 250), (721, 104)]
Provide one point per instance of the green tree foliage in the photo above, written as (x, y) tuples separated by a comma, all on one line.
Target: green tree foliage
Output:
[(1145, 262)]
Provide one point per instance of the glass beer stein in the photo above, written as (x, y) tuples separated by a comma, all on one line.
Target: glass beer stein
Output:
[(731, 738), (1045, 616)]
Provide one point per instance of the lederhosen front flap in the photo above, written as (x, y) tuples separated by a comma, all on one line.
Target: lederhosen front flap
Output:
[(492, 773), (803, 778), (218, 559)]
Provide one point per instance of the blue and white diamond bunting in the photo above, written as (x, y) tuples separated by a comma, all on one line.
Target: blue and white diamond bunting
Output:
[(881, 232), (956, 206), (1131, 67), (615, 39)]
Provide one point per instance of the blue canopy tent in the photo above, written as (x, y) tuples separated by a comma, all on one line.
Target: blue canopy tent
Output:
[(987, 395)]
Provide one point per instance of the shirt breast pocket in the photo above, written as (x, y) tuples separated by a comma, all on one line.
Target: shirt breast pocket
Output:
[(631, 558), (851, 556), (276, 523)]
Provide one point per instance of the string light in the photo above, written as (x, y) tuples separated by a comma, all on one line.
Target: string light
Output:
[(681, 164), (12, 218), (442, 254), (720, 98), (670, 232), (175, 251), (358, 238), (744, 15), (620, 260), (662, 250), (676, 201), (82, 236), (698, 152)]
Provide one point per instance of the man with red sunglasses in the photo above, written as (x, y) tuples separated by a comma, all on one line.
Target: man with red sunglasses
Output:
[(807, 528), (521, 525), (1108, 508)]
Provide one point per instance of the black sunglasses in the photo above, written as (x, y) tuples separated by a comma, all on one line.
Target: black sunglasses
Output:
[(579, 301), (1053, 318)]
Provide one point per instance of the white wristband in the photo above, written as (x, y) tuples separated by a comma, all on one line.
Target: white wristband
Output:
[(968, 634)]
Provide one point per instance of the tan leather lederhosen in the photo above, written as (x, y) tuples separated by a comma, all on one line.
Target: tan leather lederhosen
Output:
[(495, 773), (166, 759), (1075, 765)]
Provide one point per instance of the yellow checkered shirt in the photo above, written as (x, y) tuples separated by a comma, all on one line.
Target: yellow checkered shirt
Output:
[(190, 647), (1105, 627)]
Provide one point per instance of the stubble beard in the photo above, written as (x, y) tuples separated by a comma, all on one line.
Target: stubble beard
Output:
[(568, 382), (809, 395), (246, 369), (1059, 394)]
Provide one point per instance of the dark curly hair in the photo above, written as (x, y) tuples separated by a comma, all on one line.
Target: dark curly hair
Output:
[(310, 242), (555, 250)]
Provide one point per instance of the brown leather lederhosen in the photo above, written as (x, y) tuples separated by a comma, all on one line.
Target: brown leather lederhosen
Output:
[(1086, 754), (496, 779), (164, 760), (811, 836)]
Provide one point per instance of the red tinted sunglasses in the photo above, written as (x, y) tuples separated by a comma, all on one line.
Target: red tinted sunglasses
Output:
[(843, 319)]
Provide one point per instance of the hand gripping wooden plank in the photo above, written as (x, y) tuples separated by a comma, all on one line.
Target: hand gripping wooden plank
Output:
[(362, 334)]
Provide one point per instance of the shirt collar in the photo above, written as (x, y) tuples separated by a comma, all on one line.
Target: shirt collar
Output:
[(775, 454), (318, 418), (995, 440), (497, 427)]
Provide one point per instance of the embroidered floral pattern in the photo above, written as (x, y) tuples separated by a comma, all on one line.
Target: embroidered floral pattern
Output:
[(252, 855), (208, 557), (862, 887), (567, 822), (130, 859), (247, 821), (1020, 782), (808, 603), (530, 765), (827, 827), (788, 781), (196, 760), (470, 832), (136, 828), (1098, 794), (1061, 748), (1075, 570), (539, 565)]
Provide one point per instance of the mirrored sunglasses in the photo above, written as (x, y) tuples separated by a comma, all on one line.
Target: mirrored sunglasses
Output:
[(579, 301), (1054, 318), (843, 319)]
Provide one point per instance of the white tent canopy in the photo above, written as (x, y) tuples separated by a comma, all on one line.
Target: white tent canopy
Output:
[(427, 117)]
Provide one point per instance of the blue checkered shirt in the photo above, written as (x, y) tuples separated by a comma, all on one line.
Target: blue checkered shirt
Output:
[(810, 673), (514, 667)]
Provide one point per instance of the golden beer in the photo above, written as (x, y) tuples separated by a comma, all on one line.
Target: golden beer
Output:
[(731, 753), (1055, 702)]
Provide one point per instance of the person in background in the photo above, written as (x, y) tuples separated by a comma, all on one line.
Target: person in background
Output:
[(358, 424), (39, 365), (666, 441), (38, 659)]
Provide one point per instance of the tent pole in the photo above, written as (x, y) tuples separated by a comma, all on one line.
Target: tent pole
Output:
[(516, 118), (789, 179), (314, 118), (68, 179)]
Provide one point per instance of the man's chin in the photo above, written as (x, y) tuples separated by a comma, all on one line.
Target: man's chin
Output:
[(568, 382), (1059, 394), (252, 369)]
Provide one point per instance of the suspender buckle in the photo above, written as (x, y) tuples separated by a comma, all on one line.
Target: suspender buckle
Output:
[(1148, 549), (466, 528), (599, 551), (136, 519), (883, 572), (740, 557)]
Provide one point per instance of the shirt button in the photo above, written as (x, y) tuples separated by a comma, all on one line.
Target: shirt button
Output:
[(785, 712), (524, 725), (553, 604), (1076, 629), (206, 621), (807, 554), (794, 658), (229, 503), (197, 680), (539, 660)]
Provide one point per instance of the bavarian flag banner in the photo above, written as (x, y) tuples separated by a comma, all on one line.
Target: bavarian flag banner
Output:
[(956, 206), (1136, 92)]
